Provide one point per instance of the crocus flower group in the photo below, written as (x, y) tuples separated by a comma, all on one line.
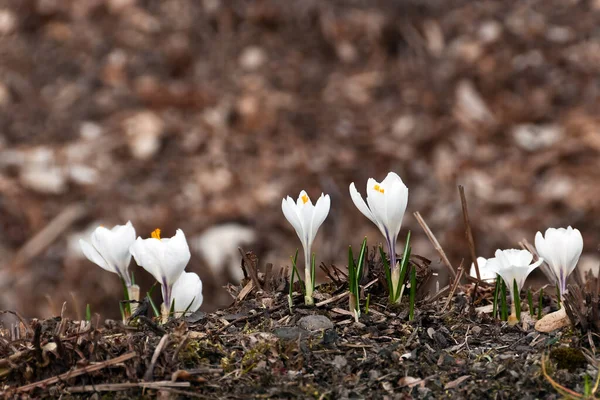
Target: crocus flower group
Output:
[(385, 205), (559, 248), (164, 258)]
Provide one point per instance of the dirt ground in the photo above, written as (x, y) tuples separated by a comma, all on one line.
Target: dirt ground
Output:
[(192, 114), (258, 348)]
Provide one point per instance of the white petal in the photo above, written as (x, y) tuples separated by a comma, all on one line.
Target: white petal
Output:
[(486, 272), (575, 246), (102, 240), (377, 204), (360, 204), (187, 292), (392, 179), (320, 213), (123, 237), (176, 257), (290, 212), (396, 202), (148, 254), (92, 254)]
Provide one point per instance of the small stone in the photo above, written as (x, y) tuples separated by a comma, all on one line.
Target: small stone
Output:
[(339, 362), (8, 22), (490, 31), (290, 333), (90, 130), (252, 58), (536, 137), (49, 180), (553, 321), (219, 244), (315, 323), (143, 131), (83, 175)]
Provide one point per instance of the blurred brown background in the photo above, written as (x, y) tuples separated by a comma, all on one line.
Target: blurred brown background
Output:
[(194, 114)]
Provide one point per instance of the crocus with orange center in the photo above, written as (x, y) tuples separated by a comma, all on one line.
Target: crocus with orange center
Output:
[(385, 207), (306, 219)]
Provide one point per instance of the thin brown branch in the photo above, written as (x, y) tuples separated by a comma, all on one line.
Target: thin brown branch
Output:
[(77, 372), (114, 387), (456, 282), (435, 243), (252, 268), (469, 234), (149, 375)]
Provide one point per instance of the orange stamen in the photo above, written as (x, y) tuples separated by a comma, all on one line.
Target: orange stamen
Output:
[(379, 189), (305, 199), (156, 234)]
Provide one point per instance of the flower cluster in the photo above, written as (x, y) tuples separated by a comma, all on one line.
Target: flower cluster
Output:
[(164, 258), (559, 248), (385, 205)]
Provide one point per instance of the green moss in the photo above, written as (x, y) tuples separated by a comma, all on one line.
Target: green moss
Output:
[(200, 352), (568, 358), (254, 355)]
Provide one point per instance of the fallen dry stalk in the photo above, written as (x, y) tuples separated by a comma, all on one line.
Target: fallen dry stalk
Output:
[(469, 234), (435, 243), (161, 345), (77, 372), (114, 387)]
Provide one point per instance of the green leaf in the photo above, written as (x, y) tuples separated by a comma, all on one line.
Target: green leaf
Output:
[(132, 278), (558, 297), (388, 273), (404, 265), (361, 261), (127, 308), (88, 313), (188, 307), (122, 311), (154, 308), (530, 301), (413, 292), (367, 303), (351, 271), (496, 294), (517, 300), (293, 273), (152, 288), (503, 304)]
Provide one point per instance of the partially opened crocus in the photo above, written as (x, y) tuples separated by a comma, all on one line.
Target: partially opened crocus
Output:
[(485, 272), (109, 249), (164, 258), (306, 219), (561, 248), (187, 293), (385, 207), (513, 266)]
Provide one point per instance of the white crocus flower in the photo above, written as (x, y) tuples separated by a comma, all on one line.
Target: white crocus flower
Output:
[(164, 258), (513, 266), (109, 249), (385, 207), (485, 272), (306, 219), (187, 293), (561, 248)]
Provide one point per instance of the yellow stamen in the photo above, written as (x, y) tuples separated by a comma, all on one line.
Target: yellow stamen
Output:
[(379, 189), (156, 234), (305, 199)]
